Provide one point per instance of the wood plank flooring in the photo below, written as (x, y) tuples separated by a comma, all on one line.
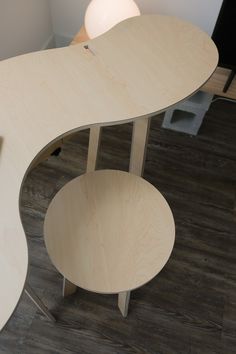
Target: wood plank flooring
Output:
[(190, 307)]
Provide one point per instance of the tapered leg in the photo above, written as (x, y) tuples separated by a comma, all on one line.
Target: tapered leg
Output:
[(68, 288), (139, 145), (94, 142), (123, 302), (137, 160), (36, 300)]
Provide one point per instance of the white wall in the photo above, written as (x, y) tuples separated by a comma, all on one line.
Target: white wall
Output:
[(67, 18), (203, 13), (68, 15), (25, 26)]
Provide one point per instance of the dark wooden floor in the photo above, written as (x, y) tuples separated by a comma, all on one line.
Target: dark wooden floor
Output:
[(189, 308)]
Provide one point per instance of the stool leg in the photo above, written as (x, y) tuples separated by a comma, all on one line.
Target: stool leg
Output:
[(68, 288), (123, 302), (94, 142), (36, 300), (139, 145)]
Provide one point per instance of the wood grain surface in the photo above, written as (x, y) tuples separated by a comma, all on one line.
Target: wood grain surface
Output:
[(214, 85), (109, 231), (46, 94)]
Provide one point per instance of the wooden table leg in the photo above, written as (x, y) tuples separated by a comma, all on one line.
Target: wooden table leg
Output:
[(94, 142), (139, 145), (123, 302), (36, 300), (68, 287)]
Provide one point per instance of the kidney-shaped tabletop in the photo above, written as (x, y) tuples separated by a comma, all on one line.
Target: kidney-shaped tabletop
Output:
[(141, 66)]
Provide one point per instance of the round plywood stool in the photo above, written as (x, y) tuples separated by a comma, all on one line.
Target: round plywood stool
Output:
[(109, 232)]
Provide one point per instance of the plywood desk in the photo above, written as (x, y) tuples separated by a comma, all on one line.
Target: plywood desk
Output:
[(140, 67)]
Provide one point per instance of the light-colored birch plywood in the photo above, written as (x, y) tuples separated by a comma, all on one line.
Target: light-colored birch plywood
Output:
[(139, 145), (214, 85), (140, 67), (68, 288), (123, 302), (109, 231), (94, 142)]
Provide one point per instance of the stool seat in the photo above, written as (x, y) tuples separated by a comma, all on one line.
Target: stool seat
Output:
[(109, 231)]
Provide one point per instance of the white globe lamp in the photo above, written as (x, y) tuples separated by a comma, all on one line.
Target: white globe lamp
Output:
[(102, 15)]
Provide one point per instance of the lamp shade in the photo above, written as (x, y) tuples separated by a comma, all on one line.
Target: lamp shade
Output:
[(101, 15)]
